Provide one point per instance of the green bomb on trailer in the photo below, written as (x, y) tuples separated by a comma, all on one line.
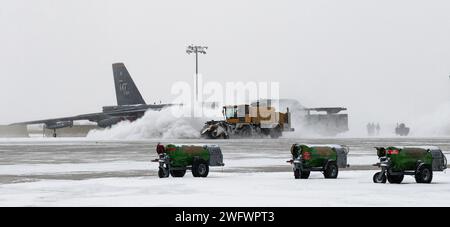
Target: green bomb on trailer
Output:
[(398, 161), (175, 159), (324, 158)]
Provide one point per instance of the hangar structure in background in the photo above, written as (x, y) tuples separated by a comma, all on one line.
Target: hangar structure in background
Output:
[(326, 121), (130, 106)]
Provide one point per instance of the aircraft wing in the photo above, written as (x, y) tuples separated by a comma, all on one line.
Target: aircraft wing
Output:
[(96, 117), (90, 117)]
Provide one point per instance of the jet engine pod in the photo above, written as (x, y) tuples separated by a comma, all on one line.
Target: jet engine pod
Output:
[(59, 124), (109, 122)]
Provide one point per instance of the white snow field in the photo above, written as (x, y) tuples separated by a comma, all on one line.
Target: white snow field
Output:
[(80, 172), (352, 188)]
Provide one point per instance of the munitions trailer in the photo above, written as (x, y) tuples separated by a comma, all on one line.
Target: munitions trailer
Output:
[(398, 161), (176, 159), (325, 158)]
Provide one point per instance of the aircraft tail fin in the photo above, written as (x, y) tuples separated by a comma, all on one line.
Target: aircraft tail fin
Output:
[(126, 91)]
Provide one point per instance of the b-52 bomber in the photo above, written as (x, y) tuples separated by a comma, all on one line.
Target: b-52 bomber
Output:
[(130, 106)]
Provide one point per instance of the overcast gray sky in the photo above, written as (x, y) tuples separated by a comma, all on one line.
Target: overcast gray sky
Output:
[(56, 55)]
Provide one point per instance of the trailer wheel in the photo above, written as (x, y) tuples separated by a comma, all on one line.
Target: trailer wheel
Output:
[(194, 171), (200, 169), (377, 180), (331, 171), (177, 173), (297, 173), (305, 174), (395, 179), (163, 173), (424, 175)]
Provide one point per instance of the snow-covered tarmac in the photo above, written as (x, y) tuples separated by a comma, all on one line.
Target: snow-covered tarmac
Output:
[(80, 172), (353, 188)]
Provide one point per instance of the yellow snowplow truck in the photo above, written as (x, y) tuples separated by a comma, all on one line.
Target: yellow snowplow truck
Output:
[(248, 121)]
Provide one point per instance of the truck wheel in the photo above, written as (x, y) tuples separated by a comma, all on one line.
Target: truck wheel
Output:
[(246, 131), (177, 173), (265, 131), (305, 174), (424, 175), (395, 179), (163, 173), (200, 169), (297, 174), (275, 133), (377, 180), (331, 171)]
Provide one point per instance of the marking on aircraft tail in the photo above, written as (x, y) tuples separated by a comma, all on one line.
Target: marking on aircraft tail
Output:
[(124, 88)]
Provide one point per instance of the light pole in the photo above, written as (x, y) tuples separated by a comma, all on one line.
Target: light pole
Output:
[(196, 50)]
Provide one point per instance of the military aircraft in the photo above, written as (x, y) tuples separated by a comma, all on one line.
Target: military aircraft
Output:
[(130, 106)]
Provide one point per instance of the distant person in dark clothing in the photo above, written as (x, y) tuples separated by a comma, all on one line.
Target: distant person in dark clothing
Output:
[(370, 129)]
